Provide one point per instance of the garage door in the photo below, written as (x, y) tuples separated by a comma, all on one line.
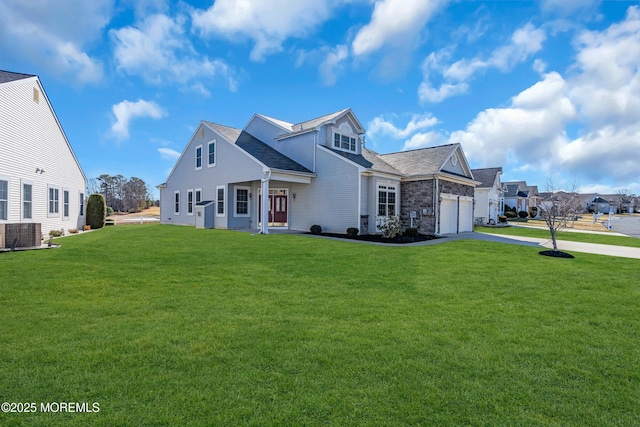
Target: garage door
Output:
[(448, 216), (466, 215)]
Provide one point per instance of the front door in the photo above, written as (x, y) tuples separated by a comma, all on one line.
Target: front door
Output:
[(277, 209)]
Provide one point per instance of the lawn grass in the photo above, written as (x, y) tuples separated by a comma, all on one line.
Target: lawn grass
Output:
[(587, 237), (168, 325)]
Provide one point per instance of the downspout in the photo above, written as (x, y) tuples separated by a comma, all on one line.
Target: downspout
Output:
[(436, 207), (264, 227)]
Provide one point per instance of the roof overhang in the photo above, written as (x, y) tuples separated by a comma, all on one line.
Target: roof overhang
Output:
[(444, 176), (291, 176)]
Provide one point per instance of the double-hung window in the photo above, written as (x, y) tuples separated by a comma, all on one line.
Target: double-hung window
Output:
[(211, 154), (220, 201), (27, 201), (4, 200), (176, 203), (54, 201), (189, 202), (242, 201), (81, 204), (65, 203), (199, 157), (386, 200)]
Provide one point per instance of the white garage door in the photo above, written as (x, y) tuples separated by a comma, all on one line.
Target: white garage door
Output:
[(466, 215), (448, 216)]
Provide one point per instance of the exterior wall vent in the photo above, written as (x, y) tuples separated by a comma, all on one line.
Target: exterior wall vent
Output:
[(36, 95)]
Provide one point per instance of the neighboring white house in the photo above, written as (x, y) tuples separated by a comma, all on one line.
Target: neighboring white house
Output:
[(314, 172), (487, 195), (41, 181)]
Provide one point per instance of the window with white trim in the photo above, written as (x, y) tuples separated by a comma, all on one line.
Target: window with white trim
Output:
[(199, 157), (242, 201), (386, 200), (211, 154), (65, 203), (4, 199), (27, 201), (54, 201), (176, 203), (220, 201), (189, 202), (344, 142), (198, 195), (81, 204)]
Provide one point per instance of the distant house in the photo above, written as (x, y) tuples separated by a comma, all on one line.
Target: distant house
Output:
[(487, 195), (41, 181), (313, 172), (519, 195)]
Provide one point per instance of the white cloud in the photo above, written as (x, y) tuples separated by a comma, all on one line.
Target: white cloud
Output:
[(424, 139), (332, 64), (380, 126), (158, 50), (394, 22), (168, 153), (524, 42), (54, 37), (267, 23), (126, 111)]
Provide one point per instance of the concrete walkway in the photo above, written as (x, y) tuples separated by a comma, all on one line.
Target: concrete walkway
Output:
[(563, 245)]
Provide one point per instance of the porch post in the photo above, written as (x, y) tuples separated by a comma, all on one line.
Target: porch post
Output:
[(264, 227)]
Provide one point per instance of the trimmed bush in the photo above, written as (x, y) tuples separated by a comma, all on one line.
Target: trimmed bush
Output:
[(502, 218), (73, 231), (316, 229), (410, 232), (510, 214), (96, 211), (390, 226), (55, 233), (352, 232), (533, 211), (523, 214)]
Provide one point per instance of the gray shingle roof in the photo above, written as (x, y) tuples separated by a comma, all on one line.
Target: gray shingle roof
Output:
[(377, 163), (356, 158), (258, 149), (310, 124), (423, 161), (487, 176), (8, 76)]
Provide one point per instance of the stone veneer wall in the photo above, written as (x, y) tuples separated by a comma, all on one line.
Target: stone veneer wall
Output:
[(418, 195)]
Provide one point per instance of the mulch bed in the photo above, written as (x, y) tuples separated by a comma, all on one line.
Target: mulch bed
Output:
[(380, 239), (556, 254)]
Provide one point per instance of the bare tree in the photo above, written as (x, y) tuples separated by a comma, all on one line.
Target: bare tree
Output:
[(625, 199), (558, 208)]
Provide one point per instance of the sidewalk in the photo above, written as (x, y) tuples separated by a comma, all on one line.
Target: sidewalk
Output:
[(563, 245)]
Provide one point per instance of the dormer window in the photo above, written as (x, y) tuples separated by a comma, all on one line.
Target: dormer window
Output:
[(344, 142)]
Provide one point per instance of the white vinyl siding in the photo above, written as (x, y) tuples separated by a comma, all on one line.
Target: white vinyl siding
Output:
[(35, 151)]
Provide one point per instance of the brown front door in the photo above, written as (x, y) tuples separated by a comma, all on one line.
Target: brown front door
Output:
[(279, 206)]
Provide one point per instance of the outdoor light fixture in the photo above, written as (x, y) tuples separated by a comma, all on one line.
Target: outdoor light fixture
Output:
[(294, 195), (250, 195), (40, 171)]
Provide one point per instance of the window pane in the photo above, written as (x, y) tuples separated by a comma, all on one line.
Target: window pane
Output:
[(212, 152), (242, 205), (353, 144), (65, 206), (199, 157), (336, 140), (345, 142), (4, 185), (221, 201)]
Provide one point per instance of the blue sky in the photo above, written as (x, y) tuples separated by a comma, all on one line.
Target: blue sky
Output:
[(547, 88)]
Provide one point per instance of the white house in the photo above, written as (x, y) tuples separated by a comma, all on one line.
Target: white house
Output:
[(314, 172), (41, 181), (487, 195)]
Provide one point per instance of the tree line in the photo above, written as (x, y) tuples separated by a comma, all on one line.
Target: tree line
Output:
[(121, 194)]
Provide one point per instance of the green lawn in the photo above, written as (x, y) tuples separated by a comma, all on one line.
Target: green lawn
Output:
[(168, 325), (603, 239)]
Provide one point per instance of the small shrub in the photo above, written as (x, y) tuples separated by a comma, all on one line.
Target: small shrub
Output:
[(316, 229), (55, 233), (73, 231), (523, 214), (510, 214), (109, 211), (533, 211), (390, 226), (410, 232), (502, 218), (352, 232)]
